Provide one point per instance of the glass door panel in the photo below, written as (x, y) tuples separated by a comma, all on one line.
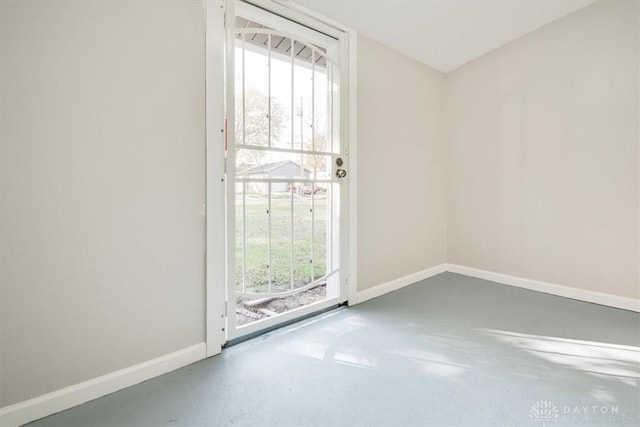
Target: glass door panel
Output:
[(286, 154)]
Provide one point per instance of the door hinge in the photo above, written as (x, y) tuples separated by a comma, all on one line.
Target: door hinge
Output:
[(223, 320), (224, 15)]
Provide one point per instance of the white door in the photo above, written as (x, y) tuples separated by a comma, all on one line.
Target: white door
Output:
[(286, 170)]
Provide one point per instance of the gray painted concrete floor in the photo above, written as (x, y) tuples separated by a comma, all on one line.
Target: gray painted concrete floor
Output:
[(448, 351)]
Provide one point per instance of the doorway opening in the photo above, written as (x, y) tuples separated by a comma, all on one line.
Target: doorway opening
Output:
[(287, 170)]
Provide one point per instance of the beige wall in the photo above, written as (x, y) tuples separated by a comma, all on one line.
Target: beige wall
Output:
[(401, 160), (543, 154), (102, 188)]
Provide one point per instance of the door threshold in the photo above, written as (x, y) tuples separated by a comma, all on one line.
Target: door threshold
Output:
[(279, 326)]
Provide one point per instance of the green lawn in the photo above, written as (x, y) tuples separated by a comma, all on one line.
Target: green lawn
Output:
[(305, 241)]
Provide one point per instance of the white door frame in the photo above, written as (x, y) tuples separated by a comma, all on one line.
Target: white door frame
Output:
[(218, 242), (215, 175)]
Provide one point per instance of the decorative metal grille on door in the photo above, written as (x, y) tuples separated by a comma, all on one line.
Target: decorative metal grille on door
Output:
[(287, 151)]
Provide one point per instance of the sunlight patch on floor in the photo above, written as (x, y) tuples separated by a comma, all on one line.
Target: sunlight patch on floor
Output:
[(431, 363), (355, 358), (599, 359)]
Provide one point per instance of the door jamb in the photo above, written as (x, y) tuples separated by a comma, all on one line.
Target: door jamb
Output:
[(215, 262)]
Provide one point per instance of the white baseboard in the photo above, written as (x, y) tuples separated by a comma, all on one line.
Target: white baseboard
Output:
[(520, 282), (396, 284), (68, 397), (549, 288)]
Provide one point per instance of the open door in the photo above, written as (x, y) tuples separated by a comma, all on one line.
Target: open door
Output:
[(287, 170)]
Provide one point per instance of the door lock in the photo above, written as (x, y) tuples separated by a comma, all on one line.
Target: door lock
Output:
[(341, 173)]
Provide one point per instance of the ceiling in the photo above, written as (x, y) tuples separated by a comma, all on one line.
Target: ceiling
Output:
[(444, 34)]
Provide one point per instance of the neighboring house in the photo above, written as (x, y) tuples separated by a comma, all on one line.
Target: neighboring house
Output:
[(284, 169)]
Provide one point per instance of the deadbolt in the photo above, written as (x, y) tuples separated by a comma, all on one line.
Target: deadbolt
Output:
[(339, 161)]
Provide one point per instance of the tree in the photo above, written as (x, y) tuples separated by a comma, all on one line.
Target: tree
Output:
[(254, 130), (317, 162)]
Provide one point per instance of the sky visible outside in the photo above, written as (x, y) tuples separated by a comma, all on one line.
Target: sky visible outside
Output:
[(297, 117)]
